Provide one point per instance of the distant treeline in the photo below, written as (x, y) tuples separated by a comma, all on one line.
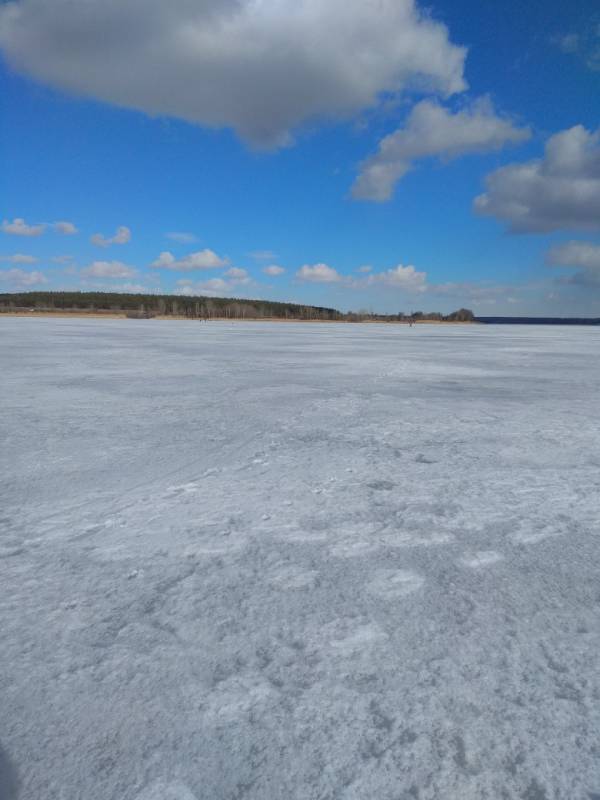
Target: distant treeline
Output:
[(538, 321), (149, 305)]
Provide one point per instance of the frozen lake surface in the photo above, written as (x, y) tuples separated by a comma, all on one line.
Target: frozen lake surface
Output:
[(315, 562)]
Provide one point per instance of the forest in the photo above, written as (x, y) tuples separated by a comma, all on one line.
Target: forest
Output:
[(204, 308)]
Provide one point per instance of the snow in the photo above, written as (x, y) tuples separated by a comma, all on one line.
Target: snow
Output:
[(308, 561)]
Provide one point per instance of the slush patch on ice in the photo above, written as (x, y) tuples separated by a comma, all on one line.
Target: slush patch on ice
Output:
[(166, 791), (393, 583), (483, 558)]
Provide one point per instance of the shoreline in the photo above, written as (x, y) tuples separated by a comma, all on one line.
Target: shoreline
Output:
[(80, 314)]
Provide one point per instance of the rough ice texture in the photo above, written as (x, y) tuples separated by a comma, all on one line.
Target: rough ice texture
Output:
[(318, 562)]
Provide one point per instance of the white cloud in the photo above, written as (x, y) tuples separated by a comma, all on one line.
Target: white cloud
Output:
[(62, 259), (134, 288), (575, 254), (19, 258), (18, 227), (19, 278), (432, 130), (215, 287), (212, 286), (202, 259), (261, 68), (182, 237), (108, 269), (238, 275), (365, 268), (400, 277), (263, 255), (318, 273), (122, 236), (559, 191), (66, 228), (273, 270)]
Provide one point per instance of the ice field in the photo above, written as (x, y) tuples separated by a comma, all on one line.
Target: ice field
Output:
[(261, 561)]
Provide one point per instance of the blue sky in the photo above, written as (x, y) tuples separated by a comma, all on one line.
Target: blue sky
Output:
[(343, 142)]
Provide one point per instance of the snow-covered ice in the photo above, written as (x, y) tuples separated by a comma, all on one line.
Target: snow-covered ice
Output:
[(304, 561)]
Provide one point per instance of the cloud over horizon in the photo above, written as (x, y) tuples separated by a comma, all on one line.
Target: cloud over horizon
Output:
[(273, 270), (400, 277), (432, 130), (202, 259), (262, 69), (21, 279), (108, 269), (18, 227), (19, 258), (318, 273), (214, 287), (560, 191), (122, 236), (575, 254)]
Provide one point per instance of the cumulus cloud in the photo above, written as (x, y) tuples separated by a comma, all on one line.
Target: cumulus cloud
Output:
[(202, 259), (559, 191), (21, 279), (432, 130), (212, 288), (365, 268), (400, 277), (261, 68), (19, 258), (182, 237), (122, 236), (18, 227), (273, 270), (318, 273), (215, 287), (66, 228), (108, 269), (238, 275), (575, 254)]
